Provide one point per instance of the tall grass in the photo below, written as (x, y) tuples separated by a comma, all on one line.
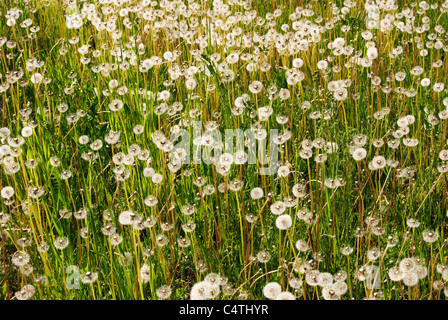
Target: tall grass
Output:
[(125, 226)]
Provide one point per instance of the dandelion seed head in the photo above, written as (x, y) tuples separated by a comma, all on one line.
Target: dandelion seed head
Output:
[(271, 290)]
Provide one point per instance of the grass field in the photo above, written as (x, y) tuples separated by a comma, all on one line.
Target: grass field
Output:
[(118, 180)]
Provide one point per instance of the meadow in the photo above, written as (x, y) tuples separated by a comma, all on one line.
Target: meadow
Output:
[(118, 180)]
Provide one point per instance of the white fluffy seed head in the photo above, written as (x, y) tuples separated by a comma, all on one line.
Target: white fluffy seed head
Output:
[(283, 222), (7, 192), (26, 132), (271, 290)]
